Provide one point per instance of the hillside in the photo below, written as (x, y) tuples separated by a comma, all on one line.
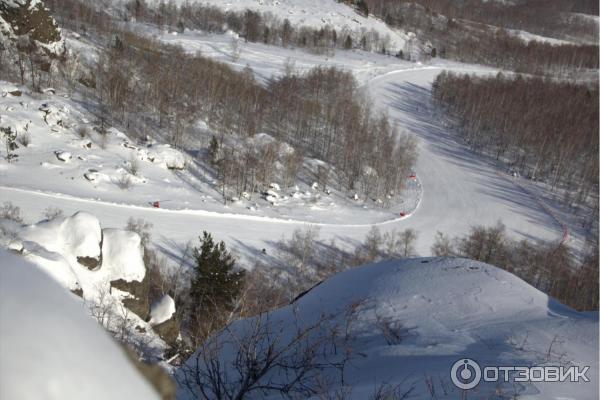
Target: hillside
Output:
[(267, 199), (403, 323)]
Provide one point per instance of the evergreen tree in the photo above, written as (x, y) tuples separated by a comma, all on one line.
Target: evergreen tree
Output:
[(216, 284), (213, 149), (363, 7), (348, 43)]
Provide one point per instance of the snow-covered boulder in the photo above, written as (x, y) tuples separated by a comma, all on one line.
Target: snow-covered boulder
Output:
[(51, 349), (162, 319), (63, 156), (162, 310), (122, 255), (123, 267), (167, 156), (76, 236)]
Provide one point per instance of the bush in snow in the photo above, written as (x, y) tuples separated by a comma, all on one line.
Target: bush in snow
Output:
[(11, 212), (51, 213), (124, 181)]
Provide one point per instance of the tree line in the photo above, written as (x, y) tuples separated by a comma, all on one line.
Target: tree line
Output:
[(253, 26), (543, 129), (475, 32), (141, 84), (549, 267)]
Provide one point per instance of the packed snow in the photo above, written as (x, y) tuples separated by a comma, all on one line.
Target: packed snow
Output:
[(411, 319), (50, 348)]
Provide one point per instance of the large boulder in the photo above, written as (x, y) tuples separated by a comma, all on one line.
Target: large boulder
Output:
[(28, 23)]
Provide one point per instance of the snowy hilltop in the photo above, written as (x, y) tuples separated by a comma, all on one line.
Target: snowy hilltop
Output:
[(397, 327)]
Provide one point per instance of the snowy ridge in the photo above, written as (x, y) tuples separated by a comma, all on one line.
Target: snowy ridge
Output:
[(442, 309)]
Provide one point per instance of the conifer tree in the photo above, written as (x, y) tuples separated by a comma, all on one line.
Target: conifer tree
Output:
[(216, 283)]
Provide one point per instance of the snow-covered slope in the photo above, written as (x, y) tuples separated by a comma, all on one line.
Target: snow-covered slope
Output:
[(315, 14), (412, 319), (49, 348)]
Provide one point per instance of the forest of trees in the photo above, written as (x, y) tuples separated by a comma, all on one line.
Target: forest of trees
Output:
[(528, 123), (548, 18), (143, 84), (253, 26), (475, 32)]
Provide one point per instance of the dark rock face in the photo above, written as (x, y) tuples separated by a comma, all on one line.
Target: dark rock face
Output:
[(168, 330), (158, 377), (90, 263), (139, 304), (29, 18)]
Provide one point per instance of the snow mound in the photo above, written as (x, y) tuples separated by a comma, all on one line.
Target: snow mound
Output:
[(51, 349), (162, 310), (413, 318), (166, 156), (78, 235), (122, 255)]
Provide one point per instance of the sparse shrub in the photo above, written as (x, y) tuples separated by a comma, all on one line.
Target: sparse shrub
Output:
[(142, 228), (133, 165), (124, 181), (51, 213), (11, 212), (83, 131)]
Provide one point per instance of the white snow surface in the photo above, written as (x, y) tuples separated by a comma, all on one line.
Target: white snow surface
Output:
[(50, 349), (162, 310), (444, 309), (122, 255), (55, 246)]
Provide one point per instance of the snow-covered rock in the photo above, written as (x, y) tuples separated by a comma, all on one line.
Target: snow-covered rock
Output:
[(30, 20), (63, 156), (122, 255), (162, 310), (51, 349), (167, 156), (78, 235)]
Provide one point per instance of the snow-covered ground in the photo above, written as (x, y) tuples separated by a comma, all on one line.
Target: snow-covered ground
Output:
[(411, 320), (315, 14), (50, 348), (457, 188)]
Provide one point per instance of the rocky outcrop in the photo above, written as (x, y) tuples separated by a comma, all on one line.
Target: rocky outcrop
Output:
[(138, 302), (28, 24)]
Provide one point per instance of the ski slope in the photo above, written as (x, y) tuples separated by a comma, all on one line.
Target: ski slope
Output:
[(459, 189)]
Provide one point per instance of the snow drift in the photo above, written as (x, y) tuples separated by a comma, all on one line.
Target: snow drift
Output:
[(50, 349)]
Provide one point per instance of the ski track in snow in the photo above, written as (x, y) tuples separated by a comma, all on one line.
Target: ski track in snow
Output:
[(459, 189)]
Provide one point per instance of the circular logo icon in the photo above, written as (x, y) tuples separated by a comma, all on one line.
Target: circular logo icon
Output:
[(465, 374)]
